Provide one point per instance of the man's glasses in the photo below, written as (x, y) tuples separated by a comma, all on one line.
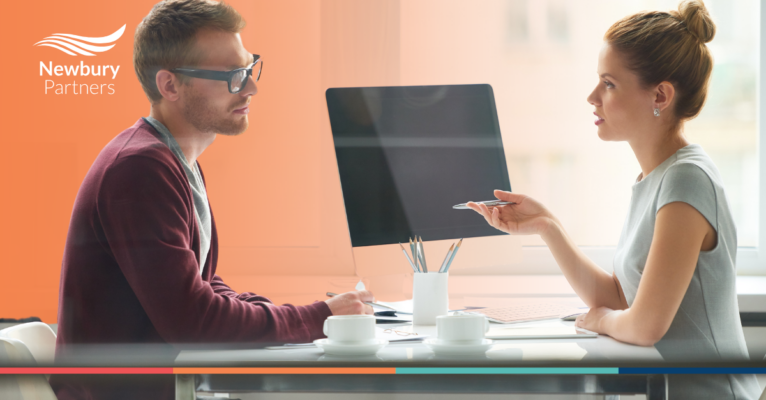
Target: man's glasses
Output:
[(236, 78)]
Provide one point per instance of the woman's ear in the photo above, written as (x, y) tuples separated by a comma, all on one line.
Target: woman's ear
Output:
[(664, 95), (167, 84)]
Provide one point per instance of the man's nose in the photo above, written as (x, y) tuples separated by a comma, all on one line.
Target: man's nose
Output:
[(250, 89)]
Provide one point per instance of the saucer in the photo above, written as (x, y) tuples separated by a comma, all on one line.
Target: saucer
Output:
[(365, 348), (332, 357), (440, 347)]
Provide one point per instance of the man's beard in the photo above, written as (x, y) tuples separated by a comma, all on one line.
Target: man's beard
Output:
[(204, 118)]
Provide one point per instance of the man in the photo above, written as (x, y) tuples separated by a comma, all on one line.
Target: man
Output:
[(141, 253)]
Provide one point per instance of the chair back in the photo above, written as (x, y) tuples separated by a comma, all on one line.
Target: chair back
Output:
[(38, 338), (21, 387), (14, 352)]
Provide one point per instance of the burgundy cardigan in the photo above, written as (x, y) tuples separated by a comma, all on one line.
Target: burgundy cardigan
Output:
[(130, 272)]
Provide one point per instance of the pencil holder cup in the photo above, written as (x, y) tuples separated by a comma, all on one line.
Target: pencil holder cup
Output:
[(430, 297)]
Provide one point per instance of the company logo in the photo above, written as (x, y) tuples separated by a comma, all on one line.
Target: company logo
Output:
[(90, 78), (80, 44)]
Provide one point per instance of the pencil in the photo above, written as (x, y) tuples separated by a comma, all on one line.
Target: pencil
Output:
[(408, 258), (449, 263), (420, 260), (414, 255), (444, 263), (423, 254)]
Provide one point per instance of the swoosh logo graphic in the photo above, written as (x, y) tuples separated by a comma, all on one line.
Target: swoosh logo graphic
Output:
[(83, 45)]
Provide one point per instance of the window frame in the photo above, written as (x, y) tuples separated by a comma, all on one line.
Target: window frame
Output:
[(754, 259)]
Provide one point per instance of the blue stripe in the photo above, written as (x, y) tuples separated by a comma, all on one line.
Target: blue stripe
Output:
[(516, 371), (701, 370)]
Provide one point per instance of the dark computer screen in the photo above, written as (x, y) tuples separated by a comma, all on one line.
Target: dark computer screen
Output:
[(407, 154)]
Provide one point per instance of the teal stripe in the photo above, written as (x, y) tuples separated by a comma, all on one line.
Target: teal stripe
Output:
[(515, 371)]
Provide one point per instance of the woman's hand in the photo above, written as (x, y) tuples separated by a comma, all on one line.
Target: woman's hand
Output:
[(592, 321), (526, 217)]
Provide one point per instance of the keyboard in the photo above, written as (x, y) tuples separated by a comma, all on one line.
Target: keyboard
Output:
[(526, 312)]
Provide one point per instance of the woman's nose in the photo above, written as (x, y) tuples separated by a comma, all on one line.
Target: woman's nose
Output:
[(593, 98)]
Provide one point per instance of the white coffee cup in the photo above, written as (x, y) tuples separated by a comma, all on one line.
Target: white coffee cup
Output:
[(461, 328), (350, 329)]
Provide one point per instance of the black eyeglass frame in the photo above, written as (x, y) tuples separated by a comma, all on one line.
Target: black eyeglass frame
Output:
[(224, 75)]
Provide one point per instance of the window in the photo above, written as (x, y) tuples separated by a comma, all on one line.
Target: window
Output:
[(540, 56)]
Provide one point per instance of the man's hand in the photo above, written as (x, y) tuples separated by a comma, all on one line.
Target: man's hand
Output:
[(350, 303)]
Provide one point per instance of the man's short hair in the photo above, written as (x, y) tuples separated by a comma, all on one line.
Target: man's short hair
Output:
[(165, 39)]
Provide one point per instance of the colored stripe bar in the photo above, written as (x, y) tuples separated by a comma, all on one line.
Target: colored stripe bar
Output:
[(211, 371), (294, 371), (700, 370), (381, 371), (88, 371), (509, 371)]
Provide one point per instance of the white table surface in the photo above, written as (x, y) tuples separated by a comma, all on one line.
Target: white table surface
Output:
[(602, 348)]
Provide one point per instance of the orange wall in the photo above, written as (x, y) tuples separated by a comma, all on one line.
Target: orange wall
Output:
[(274, 190), (50, 141)]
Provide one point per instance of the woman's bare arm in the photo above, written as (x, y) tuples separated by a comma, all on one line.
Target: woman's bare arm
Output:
[(596, 287), (680, 233), (526, 217)]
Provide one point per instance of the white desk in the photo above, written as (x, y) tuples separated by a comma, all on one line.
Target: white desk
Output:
[(547, 353), (602, 348), (519, 354)]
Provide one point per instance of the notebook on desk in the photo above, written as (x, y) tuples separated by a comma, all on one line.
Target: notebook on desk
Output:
[(542, 332), (527, 312)]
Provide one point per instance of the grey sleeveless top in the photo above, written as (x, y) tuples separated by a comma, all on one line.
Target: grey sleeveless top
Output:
[(707, 324)]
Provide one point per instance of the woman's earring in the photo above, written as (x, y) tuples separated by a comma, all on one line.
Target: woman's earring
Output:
[(656, 111)]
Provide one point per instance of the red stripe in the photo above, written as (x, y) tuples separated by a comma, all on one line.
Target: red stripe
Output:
[(44, 370)]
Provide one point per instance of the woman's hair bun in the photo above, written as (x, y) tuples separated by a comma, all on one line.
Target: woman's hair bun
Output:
[(669, 46), (697, 20)]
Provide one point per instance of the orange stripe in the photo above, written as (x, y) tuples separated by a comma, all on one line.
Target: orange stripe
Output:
[(334, 371)]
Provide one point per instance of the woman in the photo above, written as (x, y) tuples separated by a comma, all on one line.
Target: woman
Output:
[(674, 270)]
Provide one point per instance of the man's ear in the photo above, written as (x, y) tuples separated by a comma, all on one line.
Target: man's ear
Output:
[(168, 85), (664, 95)]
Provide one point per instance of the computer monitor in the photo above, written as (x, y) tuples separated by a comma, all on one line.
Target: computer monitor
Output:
[(407, 154)]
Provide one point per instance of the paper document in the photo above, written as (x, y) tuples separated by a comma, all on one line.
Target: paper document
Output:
[(401, 306)]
